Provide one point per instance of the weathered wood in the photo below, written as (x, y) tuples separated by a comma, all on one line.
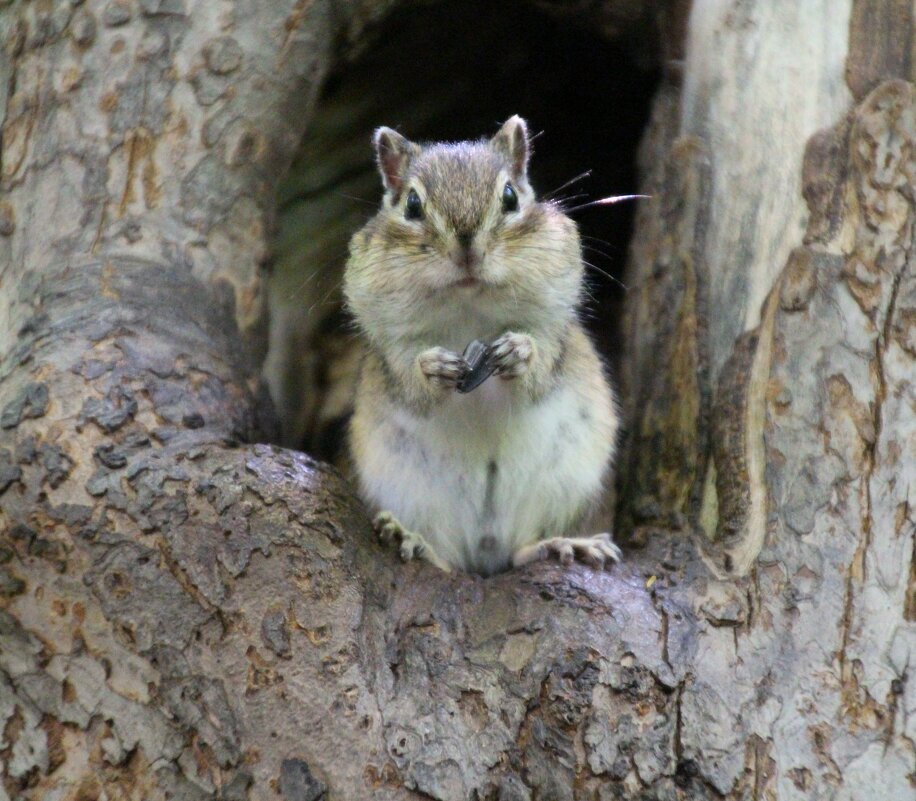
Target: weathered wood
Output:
[(759, 404), (882, 44)]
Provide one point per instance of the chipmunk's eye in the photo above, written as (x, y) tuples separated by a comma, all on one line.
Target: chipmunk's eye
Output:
[(413, 208), (510, 198)]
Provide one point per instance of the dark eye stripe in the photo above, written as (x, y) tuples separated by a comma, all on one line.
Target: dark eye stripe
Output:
[(510, 198), (413, 208)]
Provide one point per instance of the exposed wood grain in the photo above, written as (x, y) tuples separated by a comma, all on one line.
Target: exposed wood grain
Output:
[(882, 44)]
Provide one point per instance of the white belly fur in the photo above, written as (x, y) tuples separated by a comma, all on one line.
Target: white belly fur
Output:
[(433, 472)]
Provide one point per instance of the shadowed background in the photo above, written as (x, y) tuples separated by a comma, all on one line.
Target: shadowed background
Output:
[(450, 71)]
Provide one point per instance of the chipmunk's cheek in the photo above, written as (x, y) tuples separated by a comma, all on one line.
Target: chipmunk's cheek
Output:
[(491, 272), (506, 271), (435, 276)]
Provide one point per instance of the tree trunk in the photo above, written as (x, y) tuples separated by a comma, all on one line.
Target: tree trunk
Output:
[(189, 615)]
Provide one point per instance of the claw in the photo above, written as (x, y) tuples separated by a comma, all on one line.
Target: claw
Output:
[(410, 545), (598, 551), (511, 353), (442, 367)]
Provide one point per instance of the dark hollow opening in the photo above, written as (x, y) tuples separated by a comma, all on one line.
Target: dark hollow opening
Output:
[(452, 71)]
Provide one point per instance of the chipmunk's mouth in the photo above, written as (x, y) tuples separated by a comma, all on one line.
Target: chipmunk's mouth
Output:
[(467, 283)]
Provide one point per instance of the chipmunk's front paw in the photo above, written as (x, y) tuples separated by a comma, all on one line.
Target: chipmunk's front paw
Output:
[(511, 354), (442, 367), (598, 551), (410, 544)]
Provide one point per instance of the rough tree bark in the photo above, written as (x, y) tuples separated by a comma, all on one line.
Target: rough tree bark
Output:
[(189, 616)]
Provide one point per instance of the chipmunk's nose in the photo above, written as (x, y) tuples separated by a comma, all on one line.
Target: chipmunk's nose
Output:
[(466, 255)]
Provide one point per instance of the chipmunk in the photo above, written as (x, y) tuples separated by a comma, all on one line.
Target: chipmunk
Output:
[(460, 251)]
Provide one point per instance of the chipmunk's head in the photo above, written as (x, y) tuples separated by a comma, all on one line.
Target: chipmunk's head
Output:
[(460, 223)]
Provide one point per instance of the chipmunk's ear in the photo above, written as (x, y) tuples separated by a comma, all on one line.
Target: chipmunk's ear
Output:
[(512, 141), (394, 153)]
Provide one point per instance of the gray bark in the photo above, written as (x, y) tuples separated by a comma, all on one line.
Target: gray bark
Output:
[(187, 615), (772, 407)]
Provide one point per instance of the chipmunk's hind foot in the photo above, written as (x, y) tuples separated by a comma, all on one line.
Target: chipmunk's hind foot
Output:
[(410, 544), (599, 551)]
